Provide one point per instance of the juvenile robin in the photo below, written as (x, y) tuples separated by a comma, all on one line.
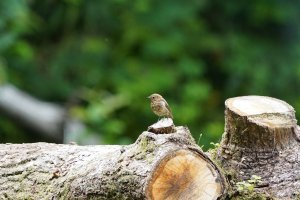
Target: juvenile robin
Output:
[(159, 106)]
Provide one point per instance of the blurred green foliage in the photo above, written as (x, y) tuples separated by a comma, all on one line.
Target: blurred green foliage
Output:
[(113, 53)]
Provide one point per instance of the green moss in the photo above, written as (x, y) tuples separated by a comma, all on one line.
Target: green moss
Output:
[(250, 196), (231, 176), (229, 173), (146, 145), (145, 149), (297, 196)]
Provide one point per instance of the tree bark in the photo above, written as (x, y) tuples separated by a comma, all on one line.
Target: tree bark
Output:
[(156, 166), (261, 138)]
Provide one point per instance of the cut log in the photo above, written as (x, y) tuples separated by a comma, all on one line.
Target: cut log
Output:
[(261, 138), (156, 166), (184, 175)]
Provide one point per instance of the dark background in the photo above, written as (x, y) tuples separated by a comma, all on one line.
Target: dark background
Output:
[(110, 55)]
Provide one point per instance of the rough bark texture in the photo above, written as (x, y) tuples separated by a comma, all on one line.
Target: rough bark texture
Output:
[(52, 171), (261, 138)]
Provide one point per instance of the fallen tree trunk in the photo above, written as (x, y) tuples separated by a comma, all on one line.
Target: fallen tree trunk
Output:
[(157, 166), (262, 138)]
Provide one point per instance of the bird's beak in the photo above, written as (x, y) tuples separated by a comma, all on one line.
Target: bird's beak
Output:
[(148, 97)]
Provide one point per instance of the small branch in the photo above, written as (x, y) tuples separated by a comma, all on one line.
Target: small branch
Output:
[(163, 126), (40, 116), (49, 120)]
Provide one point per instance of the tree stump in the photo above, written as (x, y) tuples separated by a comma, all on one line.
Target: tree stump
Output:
[(261, 138), (157, 166)]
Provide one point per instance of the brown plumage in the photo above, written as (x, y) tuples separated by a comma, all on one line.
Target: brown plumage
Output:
[(160, 106)]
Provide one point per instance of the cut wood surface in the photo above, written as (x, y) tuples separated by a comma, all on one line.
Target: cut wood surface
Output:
[(260, 123), (261, 138), (163, 126), (156, 166)]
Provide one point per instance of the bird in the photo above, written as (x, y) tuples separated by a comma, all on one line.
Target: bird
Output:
[(159, 106)]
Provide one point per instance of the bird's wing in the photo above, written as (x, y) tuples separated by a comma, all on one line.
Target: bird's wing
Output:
[(168, 107)]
